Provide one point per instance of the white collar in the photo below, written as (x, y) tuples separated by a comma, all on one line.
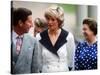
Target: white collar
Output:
[(92, 43), (15, 35)]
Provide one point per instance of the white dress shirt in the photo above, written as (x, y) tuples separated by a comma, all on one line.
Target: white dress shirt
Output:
[(15, 36)]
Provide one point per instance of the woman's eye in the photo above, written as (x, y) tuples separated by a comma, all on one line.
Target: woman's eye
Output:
[(53, 19)]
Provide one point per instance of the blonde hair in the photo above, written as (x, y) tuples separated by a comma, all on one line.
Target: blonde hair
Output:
[(39, 22), (55, 11)]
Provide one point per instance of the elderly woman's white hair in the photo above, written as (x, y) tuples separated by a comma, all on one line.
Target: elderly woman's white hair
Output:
[(55, 11)]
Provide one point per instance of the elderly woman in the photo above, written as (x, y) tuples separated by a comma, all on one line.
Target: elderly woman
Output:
[(86, 52), (56, 44)]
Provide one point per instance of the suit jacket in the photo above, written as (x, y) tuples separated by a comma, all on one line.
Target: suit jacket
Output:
[(25, 61), (58, 58)]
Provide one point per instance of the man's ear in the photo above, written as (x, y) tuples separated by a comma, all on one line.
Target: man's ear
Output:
[(20, 23)]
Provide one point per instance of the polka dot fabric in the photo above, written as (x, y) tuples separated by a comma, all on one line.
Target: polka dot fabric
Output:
[(86, 56)]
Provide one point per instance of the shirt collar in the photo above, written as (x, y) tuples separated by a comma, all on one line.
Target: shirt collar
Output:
[(86, 42), (15, 35)]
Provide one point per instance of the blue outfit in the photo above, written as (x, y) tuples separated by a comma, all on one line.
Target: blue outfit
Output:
[(86, 56)]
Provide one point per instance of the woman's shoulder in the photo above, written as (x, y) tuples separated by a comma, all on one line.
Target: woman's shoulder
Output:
[(64, 33), (69, 35)]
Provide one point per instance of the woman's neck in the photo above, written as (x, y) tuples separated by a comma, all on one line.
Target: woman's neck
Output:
[(92, 40), (54, 32)]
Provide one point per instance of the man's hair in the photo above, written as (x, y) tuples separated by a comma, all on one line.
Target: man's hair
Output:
[(92, 24), (20, 14)]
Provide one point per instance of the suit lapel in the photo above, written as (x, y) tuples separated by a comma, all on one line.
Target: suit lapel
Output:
[(13, 49), (61, 39), (14, 56), (45, 41), (26, 46)]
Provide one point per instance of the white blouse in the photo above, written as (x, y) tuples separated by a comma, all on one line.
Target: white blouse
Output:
[(65, 58)]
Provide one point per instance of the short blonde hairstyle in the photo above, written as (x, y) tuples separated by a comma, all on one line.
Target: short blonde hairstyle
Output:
[(55, 11)]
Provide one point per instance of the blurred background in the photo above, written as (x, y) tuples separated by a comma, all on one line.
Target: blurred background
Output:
[(73, 15)]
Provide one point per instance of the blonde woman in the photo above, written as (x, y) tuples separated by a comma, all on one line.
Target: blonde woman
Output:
[(56, 44)]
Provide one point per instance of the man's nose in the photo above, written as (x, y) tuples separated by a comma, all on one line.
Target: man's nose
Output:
[(31, 25)]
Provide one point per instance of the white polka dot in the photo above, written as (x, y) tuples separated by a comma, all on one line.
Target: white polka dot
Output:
[(92, 53), (82, 63), (95, 57), (87, 60), (82, 57), (95, 62), (88, 65), (78, 47), (88, 54), (92, 56), (87, 50)]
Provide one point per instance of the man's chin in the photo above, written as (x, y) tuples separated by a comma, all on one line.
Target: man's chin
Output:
[(27, 31)]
